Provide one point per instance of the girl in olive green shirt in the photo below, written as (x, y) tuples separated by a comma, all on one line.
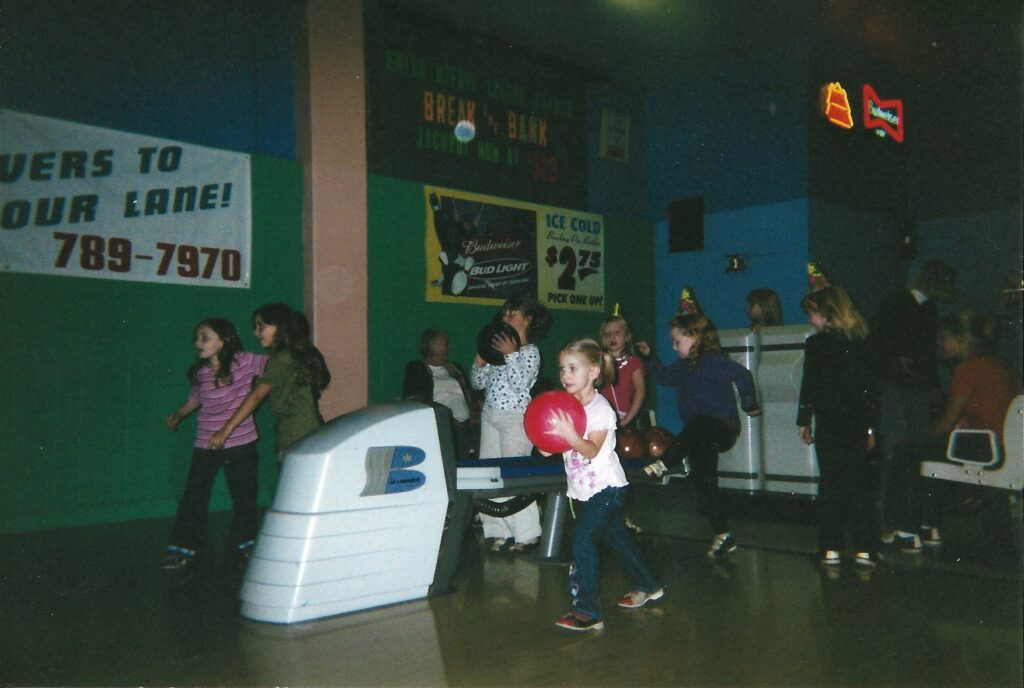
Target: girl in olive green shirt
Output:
[(293, 378)]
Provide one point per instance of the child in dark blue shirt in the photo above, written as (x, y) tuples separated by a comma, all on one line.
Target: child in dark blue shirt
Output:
[(704, 377)]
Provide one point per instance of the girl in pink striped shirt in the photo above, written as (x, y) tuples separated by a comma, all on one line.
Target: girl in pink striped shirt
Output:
[(221, 377)]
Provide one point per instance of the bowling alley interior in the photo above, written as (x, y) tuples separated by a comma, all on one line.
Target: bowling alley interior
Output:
[(448, 192)]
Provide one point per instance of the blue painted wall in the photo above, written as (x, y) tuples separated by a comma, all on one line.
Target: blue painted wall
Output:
[(737, 137), (217, 74)]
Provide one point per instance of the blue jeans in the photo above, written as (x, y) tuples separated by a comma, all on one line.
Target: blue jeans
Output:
[(601, 523)]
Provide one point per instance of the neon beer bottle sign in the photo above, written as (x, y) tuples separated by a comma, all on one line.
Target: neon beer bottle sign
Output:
[(836, 106)]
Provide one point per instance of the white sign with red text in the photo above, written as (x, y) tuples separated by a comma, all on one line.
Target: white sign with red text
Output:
[(83, 201)]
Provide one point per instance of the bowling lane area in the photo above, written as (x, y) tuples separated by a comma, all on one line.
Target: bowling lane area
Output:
[(90, 606)]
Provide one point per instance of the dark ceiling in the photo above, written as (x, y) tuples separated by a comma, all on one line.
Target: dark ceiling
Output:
[(644, 43)]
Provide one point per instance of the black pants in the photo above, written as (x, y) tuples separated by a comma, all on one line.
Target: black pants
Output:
[(919, 500), (702, 439), (845, 490), (240, 467)]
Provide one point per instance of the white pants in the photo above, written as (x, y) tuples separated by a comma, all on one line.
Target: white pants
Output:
[(501, 435)]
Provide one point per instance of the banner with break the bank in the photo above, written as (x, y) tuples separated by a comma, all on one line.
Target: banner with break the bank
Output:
[(83, 201), (483, 249)]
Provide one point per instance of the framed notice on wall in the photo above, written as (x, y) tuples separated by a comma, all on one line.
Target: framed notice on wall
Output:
[(614, 136), (483, 249)]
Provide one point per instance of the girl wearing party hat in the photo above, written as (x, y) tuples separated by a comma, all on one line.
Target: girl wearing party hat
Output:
[(626, 392), (703, 378)]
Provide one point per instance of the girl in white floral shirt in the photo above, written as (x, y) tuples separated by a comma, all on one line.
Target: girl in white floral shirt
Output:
[(501, 423), (595, 477)]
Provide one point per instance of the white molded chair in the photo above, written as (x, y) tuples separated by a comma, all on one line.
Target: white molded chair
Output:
[(975, 458)]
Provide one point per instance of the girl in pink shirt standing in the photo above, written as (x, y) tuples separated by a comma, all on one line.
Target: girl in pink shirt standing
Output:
[(221, 377), (626, 390)]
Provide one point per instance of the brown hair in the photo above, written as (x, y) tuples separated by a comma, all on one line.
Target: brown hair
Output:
[(768, 301), (698, 326), (981, 332)]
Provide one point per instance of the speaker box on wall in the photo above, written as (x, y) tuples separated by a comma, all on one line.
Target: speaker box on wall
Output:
[(686, 224)]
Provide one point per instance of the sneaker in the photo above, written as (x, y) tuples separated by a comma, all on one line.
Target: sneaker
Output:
[(907, 542), (520, 547), (175, 560), (637, 598), (830, 557), (632, 527), (871, 559), (930, 536), (722, 545), (501, 545), (575, 622)]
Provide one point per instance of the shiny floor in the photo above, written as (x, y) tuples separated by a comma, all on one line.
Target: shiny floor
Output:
[(90, 607)]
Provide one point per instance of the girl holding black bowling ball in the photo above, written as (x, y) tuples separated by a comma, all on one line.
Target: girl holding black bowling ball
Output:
[(507, 394), (595, 477), (703, 378)]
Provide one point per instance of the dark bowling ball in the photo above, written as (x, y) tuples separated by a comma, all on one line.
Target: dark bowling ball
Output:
[(658, 441), (485, 348), (630, 444)]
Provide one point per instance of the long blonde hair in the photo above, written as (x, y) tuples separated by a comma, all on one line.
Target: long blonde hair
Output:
[(591, 351), (835, 305)]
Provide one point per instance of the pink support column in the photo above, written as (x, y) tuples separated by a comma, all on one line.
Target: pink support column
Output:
[(330, 107)]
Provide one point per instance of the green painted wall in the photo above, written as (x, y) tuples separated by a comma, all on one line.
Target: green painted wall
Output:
[(398, 311), (92, 367)]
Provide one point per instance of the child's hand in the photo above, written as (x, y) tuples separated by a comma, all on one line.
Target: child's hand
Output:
[(218, 439), (805, 435), (173, 420), (504, 344), (642, 348), (563, 427)]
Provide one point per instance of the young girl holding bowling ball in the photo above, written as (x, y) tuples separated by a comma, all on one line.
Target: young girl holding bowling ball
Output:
[(596, 478), (507, 394), (295, 375), (221, 376), (703, 378), (839, 393)]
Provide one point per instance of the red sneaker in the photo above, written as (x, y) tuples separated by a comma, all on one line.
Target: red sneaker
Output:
[(575, 622), (637, 599)]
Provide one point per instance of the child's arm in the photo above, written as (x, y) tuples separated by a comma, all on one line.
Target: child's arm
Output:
[(639, 391), (246, 409), (945, 423), (522, 367), (564, 428), (185, 409)]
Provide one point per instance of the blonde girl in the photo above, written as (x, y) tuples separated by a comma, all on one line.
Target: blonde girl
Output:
[(838, 393), (625, 390), (596, 478)]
